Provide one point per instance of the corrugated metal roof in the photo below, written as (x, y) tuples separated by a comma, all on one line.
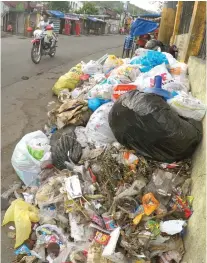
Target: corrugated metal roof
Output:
[(71, 17)]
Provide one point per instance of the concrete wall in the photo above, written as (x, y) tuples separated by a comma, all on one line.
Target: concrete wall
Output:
[(192, 41), (195, 240), (181, 42)]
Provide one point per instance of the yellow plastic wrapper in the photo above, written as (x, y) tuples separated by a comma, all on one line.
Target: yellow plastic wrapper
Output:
[(137, 219), (22, 214), (68, 81)]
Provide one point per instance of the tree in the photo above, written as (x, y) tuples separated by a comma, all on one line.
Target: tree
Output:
[(88, 8), (62, 6)]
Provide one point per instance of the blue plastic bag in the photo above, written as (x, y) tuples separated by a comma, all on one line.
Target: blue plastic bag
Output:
[(95, 103), (150, 60)]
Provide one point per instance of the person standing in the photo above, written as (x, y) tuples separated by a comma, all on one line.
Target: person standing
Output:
[(77, 28)]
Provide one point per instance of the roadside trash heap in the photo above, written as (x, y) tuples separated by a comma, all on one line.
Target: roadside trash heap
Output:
[(109, 178)]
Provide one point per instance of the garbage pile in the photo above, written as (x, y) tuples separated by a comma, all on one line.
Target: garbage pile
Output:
[(109, 178)]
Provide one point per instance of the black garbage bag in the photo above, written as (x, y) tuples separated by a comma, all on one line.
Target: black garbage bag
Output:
[(145, 123), (62, 142)]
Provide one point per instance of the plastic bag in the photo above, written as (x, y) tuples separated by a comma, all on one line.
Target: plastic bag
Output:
[(126, 73), (187, 106), (22, 214), (81, 136), (140, 52), (28, 156), (98, 131), (145, 123), (177, 86), (121, 89), (146, 80), (179, 71), (170, 58), (95, 103), (111, 63), (104, 89), (64, 146), (69, 80), (150, 60), (92, 67)]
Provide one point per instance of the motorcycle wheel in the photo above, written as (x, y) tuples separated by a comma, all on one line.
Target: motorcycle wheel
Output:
[(34, 54), (52, 52)]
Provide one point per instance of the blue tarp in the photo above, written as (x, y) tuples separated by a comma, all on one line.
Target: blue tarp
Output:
[(56, 13), (94, 19), (142, 27)]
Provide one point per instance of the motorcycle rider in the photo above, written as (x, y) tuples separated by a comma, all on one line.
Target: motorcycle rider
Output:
[(43, 23)]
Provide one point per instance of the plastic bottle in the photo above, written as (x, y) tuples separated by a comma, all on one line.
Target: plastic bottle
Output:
[(158, 89)]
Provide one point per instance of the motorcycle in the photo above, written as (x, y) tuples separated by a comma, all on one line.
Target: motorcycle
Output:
[(40, 47)]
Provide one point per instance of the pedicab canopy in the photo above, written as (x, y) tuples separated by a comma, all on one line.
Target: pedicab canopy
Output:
[(142, 27)]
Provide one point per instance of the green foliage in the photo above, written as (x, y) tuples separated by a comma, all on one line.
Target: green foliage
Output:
[(88, 8), (62, 6)]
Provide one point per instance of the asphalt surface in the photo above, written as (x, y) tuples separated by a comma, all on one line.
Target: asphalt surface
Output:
[(24, 102)]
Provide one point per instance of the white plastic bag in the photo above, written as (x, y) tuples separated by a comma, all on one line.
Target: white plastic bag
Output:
[(170, 58), (177, 86), (103, 90), (92, 67), (81, 136), (126, 73), (178, 71), (187, 106), (140, 52), (146, 80), (111, 63), (26, 156), (98, 131)]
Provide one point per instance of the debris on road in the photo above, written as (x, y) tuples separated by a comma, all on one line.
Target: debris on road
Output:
[(109, 180), (25, 78)]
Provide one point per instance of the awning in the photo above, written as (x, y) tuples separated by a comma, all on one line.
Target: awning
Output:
[(55, 13), (71, 17), (142, 27), (94, 19)]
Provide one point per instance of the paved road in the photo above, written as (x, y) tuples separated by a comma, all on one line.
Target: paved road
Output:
[(16, 61), (24, 102)]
